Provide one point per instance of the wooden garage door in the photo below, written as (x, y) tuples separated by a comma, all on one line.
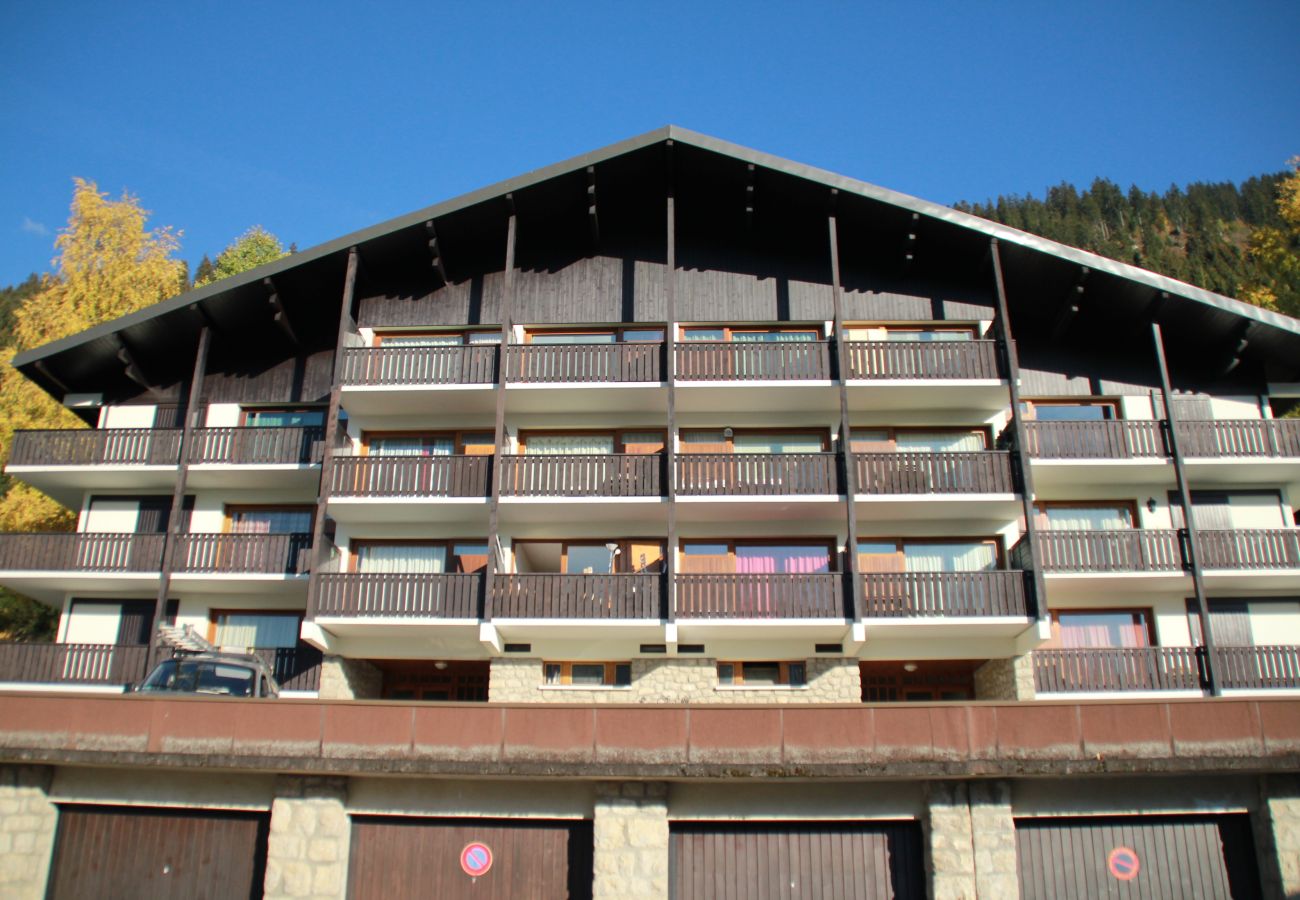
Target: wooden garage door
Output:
[(157, 854), (1152, 857), (768, 860), (400, 857)]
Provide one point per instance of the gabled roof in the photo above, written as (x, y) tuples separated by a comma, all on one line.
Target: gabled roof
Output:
[(233, 299)]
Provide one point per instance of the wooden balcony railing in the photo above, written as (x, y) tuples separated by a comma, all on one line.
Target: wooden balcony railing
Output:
[(555, 596), (254, 554), (1240, 437), (756, 474), (541, 363), (939, 594), (410, 476), (1250, 548), (737, 361), (760, 596), (596, 475), (81, 551), (72, 663), (1266, 667), (400, 596), (1115, 439), (1108, 670), (981, 472), (295, 668), (97, 447), (257, 446), (1123, 550), (473, 364), (877, 360)]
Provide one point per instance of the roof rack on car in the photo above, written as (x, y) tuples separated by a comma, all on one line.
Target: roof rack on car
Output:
[(183, 638)]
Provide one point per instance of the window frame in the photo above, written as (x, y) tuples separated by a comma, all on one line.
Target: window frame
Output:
[(228, 519), (823, 433), (971, 329), (1041, 507), (729, 332), (216, 612), (624, 546), (783, 673), (999, 548), (617, 332), (566, 674), (1031, 405), (252, 409), (457, 437), (524, 435), (463, 334), (1054, 641), (833, 555), (448, 544), (892, 432)]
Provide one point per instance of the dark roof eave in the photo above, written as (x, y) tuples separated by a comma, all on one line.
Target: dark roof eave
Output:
[(704, 142)]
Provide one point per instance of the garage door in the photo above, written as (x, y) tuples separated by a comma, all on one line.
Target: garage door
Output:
[(399, 857), (1151, 857), (769, 860), (147, 853)]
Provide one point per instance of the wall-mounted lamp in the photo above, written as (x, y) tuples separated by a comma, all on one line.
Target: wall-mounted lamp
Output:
[(728, 433), (1151, 504), (440, 665), (909, 667)]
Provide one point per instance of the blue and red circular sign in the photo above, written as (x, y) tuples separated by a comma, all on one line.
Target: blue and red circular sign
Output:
[(1123, 863), (476, 859)]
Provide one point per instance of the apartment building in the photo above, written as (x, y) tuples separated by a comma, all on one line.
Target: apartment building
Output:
[(672, 521)]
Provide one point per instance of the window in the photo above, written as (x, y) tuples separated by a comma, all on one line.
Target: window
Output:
[(755, 557), (437, 338), (588, 674), (1070, 410), (1106, 516), (753, 441), (756, 335), (250, 629), (919, 555), (911, 332), (1102, 628), (284, 417), (919, 440), (591, 443), (270, 519), (638, 335), (762, 674), (415, 443), (419, 557), (588, 557), (923, 681)]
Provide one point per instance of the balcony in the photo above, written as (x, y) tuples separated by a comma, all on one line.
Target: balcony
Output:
[(948, 601), (712, 486), (1240, 437), (916, 485), (400, 379), (46, 565), (1118, 551), (228, 562), (1250, 558), (77, 666), (254, 457), (540, 488), (65, 463), (409, 488), (891, 375), (385, 595), (735, 376), (1073, 671), (526, 606), (580, 378)]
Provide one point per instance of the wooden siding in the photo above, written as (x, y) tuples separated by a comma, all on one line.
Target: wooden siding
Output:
[(1206, 857), (406, 858), (788, 860), (158, 854), (920, 594), (302, 379), (712, 295)]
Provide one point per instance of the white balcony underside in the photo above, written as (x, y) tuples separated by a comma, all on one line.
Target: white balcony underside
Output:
[(958, 395), (419, 399), (805, 631), (586, 397), (757, 396), (287, 476), (806, 507), (995, 509), (941, 627), (50, 587), (574, 511), (472, 511), (68, 484), (239, 583)]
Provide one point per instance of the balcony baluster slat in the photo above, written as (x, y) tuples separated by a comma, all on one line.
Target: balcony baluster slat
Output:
[(756, 474), (816, 595), (97, 447), (766, 361), (400, 595), (410, 476), (257, 554), (882, 360), (399, 365), (559, 596), (939, 594), (593, 475), (257, 446), (977, 472), (81, 551), (586, 363)]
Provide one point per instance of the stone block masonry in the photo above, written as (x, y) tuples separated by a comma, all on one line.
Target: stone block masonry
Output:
[(27, 822), (1005, 679), (970, 841), (630, 839), (349, 679), (307, 851)]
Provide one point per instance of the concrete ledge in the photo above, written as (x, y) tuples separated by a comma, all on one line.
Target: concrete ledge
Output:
[(968, 740)]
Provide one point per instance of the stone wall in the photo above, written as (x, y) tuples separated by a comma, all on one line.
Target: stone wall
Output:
[(970, 842), (27, 820), (1277, 834), (674, 680), (630, 833), (349, 679), (994, 839), (1006, 679), (307, 852)]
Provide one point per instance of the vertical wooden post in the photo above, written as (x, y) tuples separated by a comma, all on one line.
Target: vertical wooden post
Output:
[(850, 471), (670, 362), (1189, 515), (175, 517), (346, 326), (1020, 454), (499, 432)]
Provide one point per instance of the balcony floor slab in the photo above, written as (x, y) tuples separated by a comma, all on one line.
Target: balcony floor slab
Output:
[(992, 508), (472, 511), (586, 397), (803, 507), (240, 583), (285, 476), (418, 399), (757, 396), (68, 484), (566, 511), (1065, 474), (924, 393), (943, 627)]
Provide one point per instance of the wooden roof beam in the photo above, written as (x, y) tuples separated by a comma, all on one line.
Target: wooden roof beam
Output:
[(131, 367), (435, 252), (280, 314), (593, 219)]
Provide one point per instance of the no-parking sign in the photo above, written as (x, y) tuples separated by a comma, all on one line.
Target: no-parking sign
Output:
[(476, 859), (1123, 863)]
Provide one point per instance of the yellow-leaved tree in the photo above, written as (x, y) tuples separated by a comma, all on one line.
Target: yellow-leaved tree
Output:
[(1277, 251), (108, 264)]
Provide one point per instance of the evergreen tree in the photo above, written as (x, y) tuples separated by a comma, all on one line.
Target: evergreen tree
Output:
[(253, 248), (205, 273)]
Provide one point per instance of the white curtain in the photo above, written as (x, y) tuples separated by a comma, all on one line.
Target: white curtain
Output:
[(422, 340), (414, 445), (1086, 518), (778, 443), (926, 336), (772, 337), (271, 521), (973, 557), (257, 630), (940, 442), (416, 559), (571, 444), (553, 339)]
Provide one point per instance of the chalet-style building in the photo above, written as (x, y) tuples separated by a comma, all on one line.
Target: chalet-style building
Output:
[(674, 521)]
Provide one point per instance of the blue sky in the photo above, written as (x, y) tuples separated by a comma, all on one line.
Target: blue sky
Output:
[(316, 119)]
